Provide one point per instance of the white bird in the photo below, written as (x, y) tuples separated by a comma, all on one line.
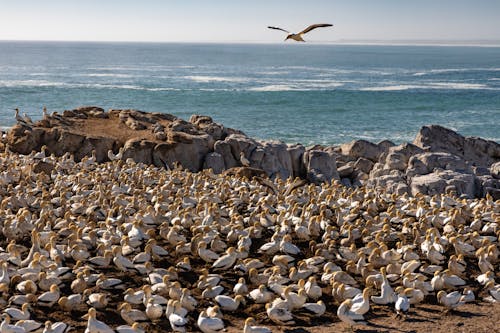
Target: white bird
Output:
[(279, 314), (208, 324), (317, 309), (402, 304), (96, 326), (96, 300), (451, 300), (261, 295), (250, 327), (135, 328), (387, 294), (133, 297), (71, 302), (118, 156), (226, 261), (187, 301), (241, 287), (19, 314), (131, 315), (7, 327), (298, 36), (206, 254), (49, 298), (29, 325), (177, 322), (351, 318), (153, 310), (215, 312), (57, 327), (176, 315), (228, 303), (312, 289), (361, 302)]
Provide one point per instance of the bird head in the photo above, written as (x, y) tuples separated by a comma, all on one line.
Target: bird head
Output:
[(288, 37)]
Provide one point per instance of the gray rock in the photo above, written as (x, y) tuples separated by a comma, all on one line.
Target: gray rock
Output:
[(296, 152), (362, 148), (214, 161), (346, 182), (140, 151), (385, 145), (321, 166), (445, 180), (476, 151), (422, 164), (346, 170), (493, 192), (231, 147), (224, 149), (495, 170), (277, 160), (190, 152), (364, 165), (397, 157)]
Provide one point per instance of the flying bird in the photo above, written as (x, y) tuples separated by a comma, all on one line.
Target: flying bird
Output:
[(298, 36)]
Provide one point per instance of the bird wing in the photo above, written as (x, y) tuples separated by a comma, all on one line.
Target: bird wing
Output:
[(314, 26), (276, 28)]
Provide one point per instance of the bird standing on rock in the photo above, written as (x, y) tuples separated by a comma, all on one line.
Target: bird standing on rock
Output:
[(244, 161)]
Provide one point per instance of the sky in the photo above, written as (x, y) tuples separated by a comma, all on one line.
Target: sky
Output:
[(247, 21)]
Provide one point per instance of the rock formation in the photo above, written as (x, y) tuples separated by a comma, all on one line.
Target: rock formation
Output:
[(439, 160)]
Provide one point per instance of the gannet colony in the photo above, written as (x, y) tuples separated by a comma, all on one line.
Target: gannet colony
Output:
[(120, 245)]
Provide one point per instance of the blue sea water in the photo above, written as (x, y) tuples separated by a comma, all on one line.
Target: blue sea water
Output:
[(313, 94)]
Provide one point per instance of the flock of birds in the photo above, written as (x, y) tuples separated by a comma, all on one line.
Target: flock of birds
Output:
[(125, 247)]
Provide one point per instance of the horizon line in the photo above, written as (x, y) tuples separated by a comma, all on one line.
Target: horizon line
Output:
[(381, 42)]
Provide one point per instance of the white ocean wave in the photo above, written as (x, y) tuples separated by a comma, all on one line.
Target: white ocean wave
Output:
[(436, 85), (30, 83), (456, 70), (44, 83), (117, 75), (326, 71), (297, 86), (273, 73), (273, 87), (207, 79), (140, 68)]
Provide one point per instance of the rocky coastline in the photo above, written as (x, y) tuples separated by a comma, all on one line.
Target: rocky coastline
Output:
[(439, 160)]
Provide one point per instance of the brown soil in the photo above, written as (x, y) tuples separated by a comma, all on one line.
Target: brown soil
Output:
[(109, 127), (477, 318)]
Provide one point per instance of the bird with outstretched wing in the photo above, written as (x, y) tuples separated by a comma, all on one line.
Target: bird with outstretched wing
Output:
[(298, 36)]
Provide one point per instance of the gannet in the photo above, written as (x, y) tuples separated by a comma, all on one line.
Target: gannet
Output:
[(7, 327), (344, 314), (251, 328), (298, 36), (17, 314), (208, 324), (57, 327), (317, 309), (96, 326)]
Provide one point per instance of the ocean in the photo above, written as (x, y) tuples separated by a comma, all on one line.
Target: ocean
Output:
[(295, 92)]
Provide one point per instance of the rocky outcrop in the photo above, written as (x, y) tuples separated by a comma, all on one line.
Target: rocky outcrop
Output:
[(439, 160), (475, 151)]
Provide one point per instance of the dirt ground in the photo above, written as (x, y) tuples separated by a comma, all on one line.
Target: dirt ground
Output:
[(477, 318), (483, 317)]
